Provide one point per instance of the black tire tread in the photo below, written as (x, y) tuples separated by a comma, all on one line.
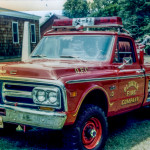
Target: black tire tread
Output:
[(72, 134)]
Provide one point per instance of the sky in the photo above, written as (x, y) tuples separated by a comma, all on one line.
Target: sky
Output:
[(37, 7), (34, 5)]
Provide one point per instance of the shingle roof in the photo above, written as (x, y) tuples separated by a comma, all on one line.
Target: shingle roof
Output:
[(12, 13), (44, 19)]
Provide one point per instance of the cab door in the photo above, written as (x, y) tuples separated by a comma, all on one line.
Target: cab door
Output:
[(131, 80)]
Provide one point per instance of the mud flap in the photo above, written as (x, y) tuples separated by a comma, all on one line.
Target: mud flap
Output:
[(1, 122)]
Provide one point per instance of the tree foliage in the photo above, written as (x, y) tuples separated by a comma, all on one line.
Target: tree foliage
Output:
[(136, 16), (76, 8), (104, 8)]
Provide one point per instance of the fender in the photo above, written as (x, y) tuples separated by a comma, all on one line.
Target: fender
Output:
[(90, 89)]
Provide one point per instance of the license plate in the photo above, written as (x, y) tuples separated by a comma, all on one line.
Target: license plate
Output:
[(1, 122)]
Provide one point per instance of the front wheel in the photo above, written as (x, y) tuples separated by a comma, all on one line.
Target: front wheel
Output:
[(89, 131), (10, 127)]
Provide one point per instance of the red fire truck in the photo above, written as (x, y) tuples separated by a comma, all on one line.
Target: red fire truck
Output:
[(74, 79)]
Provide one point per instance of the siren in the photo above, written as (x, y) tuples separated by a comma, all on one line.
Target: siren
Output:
[(90, 22)]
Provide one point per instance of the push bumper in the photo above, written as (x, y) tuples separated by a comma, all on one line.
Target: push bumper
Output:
[(37, 118)]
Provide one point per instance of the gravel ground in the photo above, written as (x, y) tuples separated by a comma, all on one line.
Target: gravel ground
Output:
[(126, 132)]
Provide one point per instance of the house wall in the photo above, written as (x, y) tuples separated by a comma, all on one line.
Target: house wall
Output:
[(9, 49), (47, 25)]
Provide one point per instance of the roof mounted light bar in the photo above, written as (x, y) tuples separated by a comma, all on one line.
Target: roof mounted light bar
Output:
[(91, 22)]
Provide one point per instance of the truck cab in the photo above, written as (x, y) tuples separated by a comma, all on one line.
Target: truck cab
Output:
[(74, 79)]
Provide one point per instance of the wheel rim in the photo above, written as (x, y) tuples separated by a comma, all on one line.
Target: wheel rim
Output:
[(92, 133)]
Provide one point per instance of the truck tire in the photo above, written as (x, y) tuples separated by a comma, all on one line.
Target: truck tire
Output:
[(9, 128), (89, 131)]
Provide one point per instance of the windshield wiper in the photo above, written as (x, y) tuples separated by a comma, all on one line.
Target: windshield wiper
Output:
[(38, 56), (77, 58), (69, 57)]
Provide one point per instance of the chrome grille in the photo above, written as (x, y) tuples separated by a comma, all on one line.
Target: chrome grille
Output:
[(17, 93), (25, 85)]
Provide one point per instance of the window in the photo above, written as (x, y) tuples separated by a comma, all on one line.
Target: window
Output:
[(84, 47), (15, 32), (124, 49), (33, 35)]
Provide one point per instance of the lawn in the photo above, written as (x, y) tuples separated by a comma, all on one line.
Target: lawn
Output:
[(132, 134)]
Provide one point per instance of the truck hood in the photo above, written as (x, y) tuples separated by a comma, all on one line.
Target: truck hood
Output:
[(46, 69)]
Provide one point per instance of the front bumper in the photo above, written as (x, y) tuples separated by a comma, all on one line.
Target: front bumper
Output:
[(31, 117)]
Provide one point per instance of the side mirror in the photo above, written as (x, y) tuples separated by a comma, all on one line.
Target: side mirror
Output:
[(141, 57), (126, 61)]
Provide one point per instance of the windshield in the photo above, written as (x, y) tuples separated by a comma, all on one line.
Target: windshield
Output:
[(74, 47)]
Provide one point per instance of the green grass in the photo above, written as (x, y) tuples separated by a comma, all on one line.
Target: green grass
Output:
[(132, 134)]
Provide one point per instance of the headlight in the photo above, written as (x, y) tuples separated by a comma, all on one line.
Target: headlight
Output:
[(41, 95), (47, 96)]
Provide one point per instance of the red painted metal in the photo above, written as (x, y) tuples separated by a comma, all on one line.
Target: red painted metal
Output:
[(92, 133), (141, 55), (64, 71)]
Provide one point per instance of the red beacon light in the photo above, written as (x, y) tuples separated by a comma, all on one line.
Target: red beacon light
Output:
[(90, 22), (108, 21)]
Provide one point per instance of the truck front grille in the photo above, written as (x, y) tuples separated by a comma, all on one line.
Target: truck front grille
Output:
[(17, 93)]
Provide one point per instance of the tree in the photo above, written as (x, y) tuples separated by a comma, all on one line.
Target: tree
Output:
[(104, 8), (76, 8), (136, 16)]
